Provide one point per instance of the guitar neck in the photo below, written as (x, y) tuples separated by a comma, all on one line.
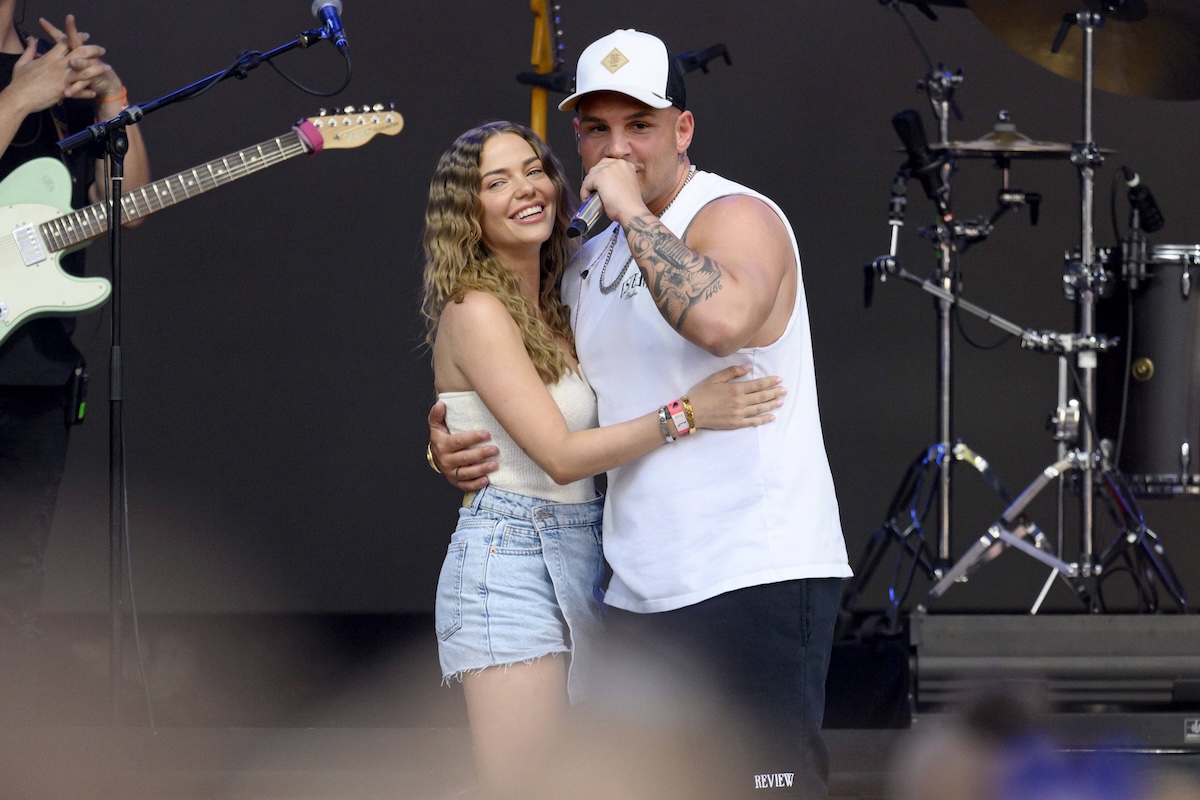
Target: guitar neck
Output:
[(87, 223)]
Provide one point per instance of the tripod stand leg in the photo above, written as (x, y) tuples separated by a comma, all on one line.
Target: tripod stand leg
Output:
[(1138, 543), (961, 567), (1157, 557), (864, 570), (1000, 534), (964, 453), (905, 513), (1041, 598)]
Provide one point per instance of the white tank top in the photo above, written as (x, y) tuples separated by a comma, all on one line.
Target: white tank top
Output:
[(517, 471), (719, 510)]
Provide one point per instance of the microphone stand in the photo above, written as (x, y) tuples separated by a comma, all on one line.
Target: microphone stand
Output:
[(116, 144)]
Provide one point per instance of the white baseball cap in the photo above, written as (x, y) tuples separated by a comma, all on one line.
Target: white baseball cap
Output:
[(632, 63)]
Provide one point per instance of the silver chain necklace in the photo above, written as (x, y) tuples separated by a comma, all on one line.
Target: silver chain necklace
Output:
[(612, 245)]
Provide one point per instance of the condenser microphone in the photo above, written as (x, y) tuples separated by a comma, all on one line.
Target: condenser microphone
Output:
[(1150, 217), (330, 14), (586, 216)]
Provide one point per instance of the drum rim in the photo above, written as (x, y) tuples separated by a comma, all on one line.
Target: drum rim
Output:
[(1173, 252)]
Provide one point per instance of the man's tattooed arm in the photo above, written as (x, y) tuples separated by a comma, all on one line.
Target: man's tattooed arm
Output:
[(678, 277)]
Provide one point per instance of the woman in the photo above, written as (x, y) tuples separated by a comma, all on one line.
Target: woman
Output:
[(517, 605)]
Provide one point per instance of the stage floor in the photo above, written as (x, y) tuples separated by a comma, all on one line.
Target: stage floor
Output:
[(262, 707)]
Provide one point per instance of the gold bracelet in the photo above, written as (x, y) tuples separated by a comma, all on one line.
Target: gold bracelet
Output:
[(429, 457), (687, 411)]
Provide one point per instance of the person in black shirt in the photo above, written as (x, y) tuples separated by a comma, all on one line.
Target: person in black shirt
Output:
[(48, 90)]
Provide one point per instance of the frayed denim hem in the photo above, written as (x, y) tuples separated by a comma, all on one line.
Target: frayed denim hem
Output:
[(458, 676)]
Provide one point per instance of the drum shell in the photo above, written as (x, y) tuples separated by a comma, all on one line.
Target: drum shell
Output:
[(1162, 421)]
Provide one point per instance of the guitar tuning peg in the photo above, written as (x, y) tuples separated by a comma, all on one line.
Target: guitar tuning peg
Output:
[(377, 107), (323, 112), (348, 110)]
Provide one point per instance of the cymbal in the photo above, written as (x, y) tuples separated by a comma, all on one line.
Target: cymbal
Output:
[(1007, 143), (1145, 48)]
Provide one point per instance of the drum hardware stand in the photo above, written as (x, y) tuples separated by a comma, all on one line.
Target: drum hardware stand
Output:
[(1135, 544), (905, 520), (1013, 528), (939, 85), (914, 497)]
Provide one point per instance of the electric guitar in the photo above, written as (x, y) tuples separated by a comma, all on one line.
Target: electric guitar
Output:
[(35, 232)]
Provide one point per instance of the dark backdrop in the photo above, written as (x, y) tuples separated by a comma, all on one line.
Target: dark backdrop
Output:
[(275, 380)]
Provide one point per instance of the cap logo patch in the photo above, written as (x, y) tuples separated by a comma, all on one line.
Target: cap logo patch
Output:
[(614, 60)]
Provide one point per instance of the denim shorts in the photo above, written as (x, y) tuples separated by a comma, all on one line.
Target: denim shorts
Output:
[(521, 580)]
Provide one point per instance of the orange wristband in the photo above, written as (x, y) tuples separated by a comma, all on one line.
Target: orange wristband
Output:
[(123, 97)]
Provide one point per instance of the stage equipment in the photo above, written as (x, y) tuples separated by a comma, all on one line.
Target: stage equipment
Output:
[(1084, 282), (1151, 388), (1150, 48), (109, 136), (1080, 455), (929, 479)]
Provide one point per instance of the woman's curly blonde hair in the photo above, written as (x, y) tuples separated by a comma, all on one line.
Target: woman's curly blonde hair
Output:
[(457, 260)]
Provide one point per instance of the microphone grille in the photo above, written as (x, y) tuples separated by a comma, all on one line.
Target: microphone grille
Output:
[(319, 4)]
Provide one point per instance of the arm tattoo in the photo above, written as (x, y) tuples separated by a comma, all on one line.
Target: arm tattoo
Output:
[(678, 277)]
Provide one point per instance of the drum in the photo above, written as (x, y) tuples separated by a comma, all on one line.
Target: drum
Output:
[(1160, 452)]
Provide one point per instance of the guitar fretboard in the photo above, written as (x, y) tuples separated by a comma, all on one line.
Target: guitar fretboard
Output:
[(92, 221)]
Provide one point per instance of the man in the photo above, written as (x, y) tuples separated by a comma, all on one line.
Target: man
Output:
[(47, 91), (727, 553)]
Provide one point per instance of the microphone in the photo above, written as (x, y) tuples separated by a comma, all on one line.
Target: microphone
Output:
[(922, 164), (1141, 201), (330, 14), (586, 216)]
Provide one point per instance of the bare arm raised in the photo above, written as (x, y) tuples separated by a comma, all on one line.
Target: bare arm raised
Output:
[(729, 283)]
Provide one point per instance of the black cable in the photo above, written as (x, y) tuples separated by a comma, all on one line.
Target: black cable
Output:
[(1125, 384), (311, 91), (895, 6), (1003, 340)]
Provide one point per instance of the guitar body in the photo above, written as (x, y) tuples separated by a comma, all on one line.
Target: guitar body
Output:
[(38, 225), (35, 193)]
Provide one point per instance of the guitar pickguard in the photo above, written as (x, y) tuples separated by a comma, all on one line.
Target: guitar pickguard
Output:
[(32, 284), (43, 181)]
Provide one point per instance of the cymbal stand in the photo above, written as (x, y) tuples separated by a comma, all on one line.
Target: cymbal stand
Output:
[(939, 85), (1084, 281)]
